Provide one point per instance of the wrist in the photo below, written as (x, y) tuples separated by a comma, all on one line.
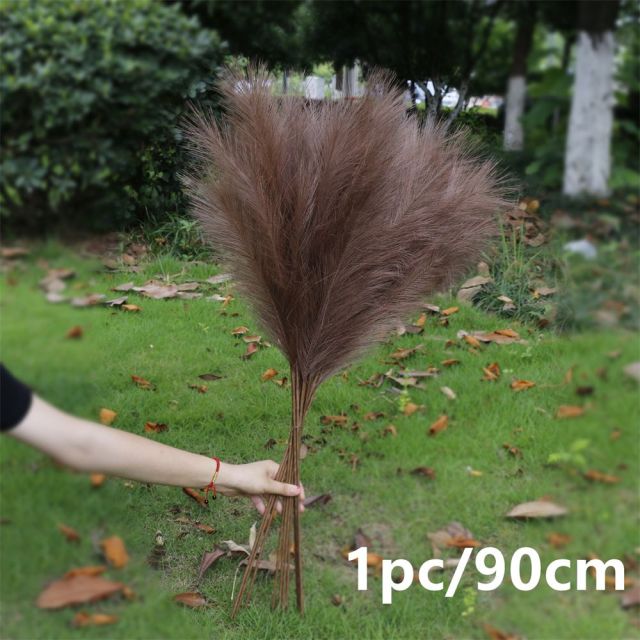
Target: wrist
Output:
[(225, 483)]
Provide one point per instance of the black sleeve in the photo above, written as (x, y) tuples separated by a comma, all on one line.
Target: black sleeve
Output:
[(15, 400)]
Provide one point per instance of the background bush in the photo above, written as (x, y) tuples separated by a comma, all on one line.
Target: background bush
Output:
[(92, 93)]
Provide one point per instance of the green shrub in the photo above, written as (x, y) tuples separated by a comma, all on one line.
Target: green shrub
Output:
[(92, 93)]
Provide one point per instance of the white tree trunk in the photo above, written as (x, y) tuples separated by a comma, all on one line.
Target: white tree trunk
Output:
[(588, 158), (513, 131)]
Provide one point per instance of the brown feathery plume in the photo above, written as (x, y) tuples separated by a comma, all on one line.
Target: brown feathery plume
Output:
[(336, 219)]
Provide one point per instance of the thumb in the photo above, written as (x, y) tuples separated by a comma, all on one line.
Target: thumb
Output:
[(283, 489)]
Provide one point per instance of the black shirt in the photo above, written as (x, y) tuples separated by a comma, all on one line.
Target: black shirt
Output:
[(15, 400)]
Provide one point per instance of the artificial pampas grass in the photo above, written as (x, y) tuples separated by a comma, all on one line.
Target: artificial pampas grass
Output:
[(336, 219)]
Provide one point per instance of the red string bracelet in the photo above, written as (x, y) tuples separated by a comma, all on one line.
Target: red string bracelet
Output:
[(212, 486)]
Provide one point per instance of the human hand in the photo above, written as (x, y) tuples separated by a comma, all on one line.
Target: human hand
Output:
[(256, 480)]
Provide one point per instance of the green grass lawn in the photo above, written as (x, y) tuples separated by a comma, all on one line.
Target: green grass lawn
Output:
[(171, 342)]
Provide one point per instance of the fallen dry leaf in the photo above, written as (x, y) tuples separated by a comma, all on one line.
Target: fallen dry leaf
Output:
[(633, 371), (195, 495), (449, 311), (500, 336), (426, 472), (95, 570), (209, 558), (491, 372), (239, 331), (107, 416), (77, 590), (390, 430), (84, 619), (443, 537), (115, 552), (116, 302), (69, 533), (402, 354), (514, 451), (252, 348), (537, 509), (190, 599), (521, 385), (471, 341), (334, 420), (319, 500), (124, 287), (374, 415), (210, 376), (569, 411), (268, 374), (631, 598), (450, 362), (88, 301), (462, 542), (97, 479), (75, 332), (450, 393), (496, 634), (155, 427), (219, 279), (142, 383), (439, 425), (200, 388), (11, 253), (558, 540), (133, 308), (410, 408), (598, 476)]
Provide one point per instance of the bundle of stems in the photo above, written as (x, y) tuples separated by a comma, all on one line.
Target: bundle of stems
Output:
[(336, 219)]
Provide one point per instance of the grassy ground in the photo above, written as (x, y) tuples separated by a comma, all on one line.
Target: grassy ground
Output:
[(171, 342)]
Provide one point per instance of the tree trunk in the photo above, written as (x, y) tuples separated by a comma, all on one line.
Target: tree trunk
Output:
[(517, 83), (462, 97), (588, 156), (285, 81)]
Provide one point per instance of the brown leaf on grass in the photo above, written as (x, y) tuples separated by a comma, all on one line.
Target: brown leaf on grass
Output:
[(585, 390), (318, 500), (615, 434), (631, 598), (155, 427), (403, 354), (75, 332), (425, 472), (84, 619), (210, 376), (116, 302), (450, 362), (514, 451), (558, 540), (537, 509), (449, 311), (191, 599), (374, 415), (77, 590), (420, 322), (107, 416), (471, 341), (491, 372), (633, 371), (462, 542), (219, 279), (340, 420), (142, 383), (95, 570), (252, 348), (195, 495), (450, 393), (496, 634), (239, 331), (441, 538), (598, 476), (251, 339), (200, 388), (336, 599), (268, 374), (569, 411), (97, 479), (499, 336), (439, 425), (115, 552), (88, 301), (521, 385), (10, 253), (390, 430), (132, 308), (69, 533), (124, 287), (410, 408), (205, 528), (208, 559)]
